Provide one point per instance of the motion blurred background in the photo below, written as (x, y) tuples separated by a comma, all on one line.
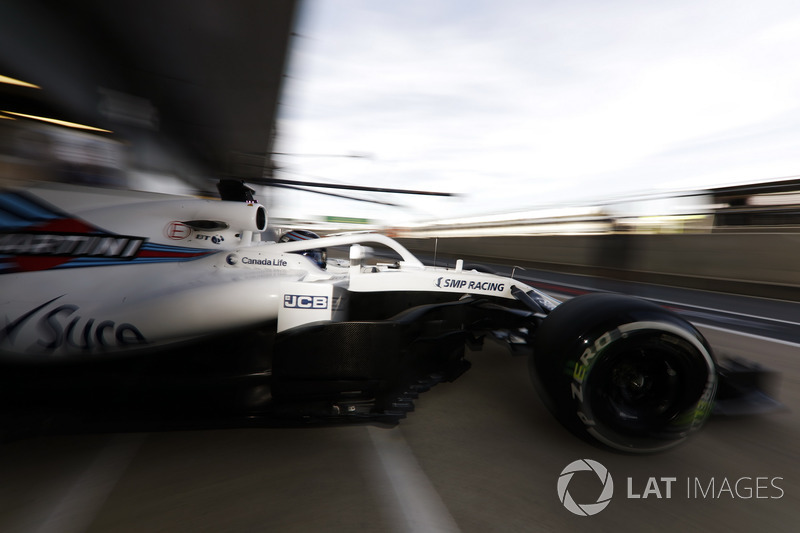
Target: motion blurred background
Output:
[(642, 147), (650, 142)]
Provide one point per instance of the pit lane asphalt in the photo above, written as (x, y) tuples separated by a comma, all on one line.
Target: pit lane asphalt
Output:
[(480, 454)]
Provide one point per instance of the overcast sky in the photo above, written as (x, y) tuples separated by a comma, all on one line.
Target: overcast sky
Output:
[(517, 104)]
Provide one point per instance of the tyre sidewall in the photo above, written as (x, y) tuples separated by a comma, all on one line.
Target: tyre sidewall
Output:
[(578, 344)]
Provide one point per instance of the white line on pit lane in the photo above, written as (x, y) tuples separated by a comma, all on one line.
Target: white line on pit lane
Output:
[(735, 313), (81, 503), (693, 307), (405, 489), (748, 335), (726, 330)]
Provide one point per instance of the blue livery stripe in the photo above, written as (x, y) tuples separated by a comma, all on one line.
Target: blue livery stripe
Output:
[(24, 208)]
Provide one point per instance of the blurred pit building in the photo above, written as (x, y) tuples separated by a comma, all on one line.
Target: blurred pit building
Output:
[(171, 96)]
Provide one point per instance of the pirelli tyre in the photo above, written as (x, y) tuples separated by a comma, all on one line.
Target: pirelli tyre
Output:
[(623, 372)]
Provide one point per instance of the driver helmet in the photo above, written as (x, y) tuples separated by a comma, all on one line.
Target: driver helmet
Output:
[(318, 255)]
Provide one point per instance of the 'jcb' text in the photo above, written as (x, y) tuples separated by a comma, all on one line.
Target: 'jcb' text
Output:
[(294, 301)]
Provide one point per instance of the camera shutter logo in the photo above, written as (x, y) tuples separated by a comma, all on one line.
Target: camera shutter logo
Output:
[(585, 509)]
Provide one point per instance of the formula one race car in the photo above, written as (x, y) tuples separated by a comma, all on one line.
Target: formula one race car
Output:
[(183, 306)]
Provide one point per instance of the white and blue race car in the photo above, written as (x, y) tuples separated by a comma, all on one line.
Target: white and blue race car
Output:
[(182, 307)]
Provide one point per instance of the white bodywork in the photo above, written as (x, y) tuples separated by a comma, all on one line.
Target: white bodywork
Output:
[(91, 272)]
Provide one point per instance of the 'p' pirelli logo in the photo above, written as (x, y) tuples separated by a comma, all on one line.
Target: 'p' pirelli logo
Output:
[(70, 245)]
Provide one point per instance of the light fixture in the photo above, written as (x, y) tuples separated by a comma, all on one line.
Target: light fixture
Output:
[(12, 81), (58, 122)]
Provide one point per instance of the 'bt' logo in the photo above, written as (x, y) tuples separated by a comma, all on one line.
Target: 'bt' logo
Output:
[(305, 302)]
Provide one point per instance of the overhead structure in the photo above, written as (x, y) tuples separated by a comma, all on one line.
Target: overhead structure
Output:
[(199, 79)]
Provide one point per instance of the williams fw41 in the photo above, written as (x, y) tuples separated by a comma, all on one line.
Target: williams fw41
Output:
[(135, 307)]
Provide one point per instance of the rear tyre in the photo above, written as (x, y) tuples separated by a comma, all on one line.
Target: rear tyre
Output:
[(623, 372)]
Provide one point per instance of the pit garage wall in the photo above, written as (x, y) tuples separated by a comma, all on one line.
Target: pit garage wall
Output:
[(766, 265)]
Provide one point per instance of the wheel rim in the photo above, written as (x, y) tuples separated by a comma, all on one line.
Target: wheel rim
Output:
[(646, 389), (642, 390)]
